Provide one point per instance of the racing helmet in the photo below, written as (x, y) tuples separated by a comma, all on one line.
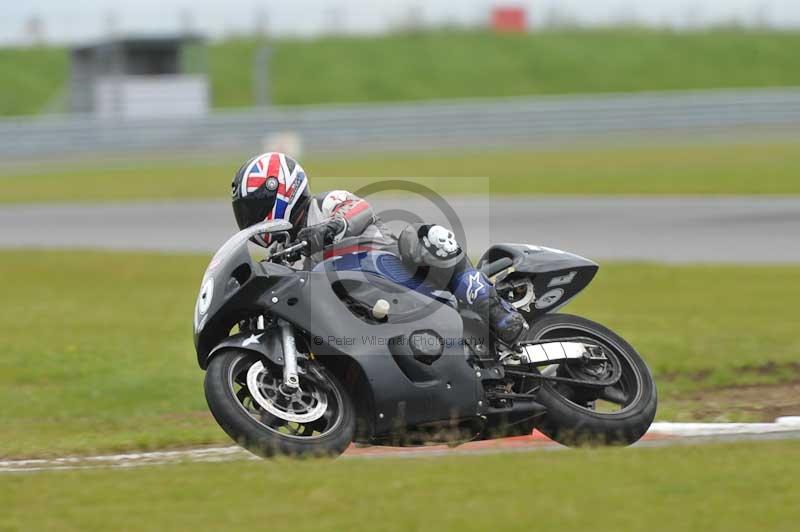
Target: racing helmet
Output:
[(270, 186)]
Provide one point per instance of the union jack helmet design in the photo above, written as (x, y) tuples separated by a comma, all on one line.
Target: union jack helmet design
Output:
[(271, 186)]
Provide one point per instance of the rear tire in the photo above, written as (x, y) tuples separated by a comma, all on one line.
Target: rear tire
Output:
[(249, 427), (572, 424)]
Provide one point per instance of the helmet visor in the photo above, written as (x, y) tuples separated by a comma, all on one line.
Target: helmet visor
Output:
[(249, 211)]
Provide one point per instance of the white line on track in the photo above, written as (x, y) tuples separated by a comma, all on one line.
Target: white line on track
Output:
[(661, 433)]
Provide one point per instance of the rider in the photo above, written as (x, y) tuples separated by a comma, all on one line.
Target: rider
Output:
[(273, 186)]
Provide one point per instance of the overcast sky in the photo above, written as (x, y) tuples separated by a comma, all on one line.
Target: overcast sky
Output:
[(82, 20)]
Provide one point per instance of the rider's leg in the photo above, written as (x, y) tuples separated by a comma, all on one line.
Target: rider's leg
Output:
[(474, 289), (435, 247)]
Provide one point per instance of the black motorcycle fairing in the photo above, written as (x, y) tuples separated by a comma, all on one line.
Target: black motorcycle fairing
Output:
[(230, 292), (229, 271), (557, 275), (450, 388), (237, 286)]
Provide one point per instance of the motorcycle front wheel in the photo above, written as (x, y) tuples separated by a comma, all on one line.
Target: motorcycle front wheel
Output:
[(246, 396), (615, 415)]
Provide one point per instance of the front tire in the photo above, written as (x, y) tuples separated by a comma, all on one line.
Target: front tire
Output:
[(319, 420), (571, 418)]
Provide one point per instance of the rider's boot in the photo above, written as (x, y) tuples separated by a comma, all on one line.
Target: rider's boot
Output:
[(504, 321), (477, 292)]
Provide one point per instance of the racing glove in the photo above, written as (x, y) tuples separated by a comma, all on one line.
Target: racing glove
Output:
[(320, 235)]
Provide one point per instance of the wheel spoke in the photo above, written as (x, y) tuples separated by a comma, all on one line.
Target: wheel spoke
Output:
[(272, 421), (242, 394), (306, 430), (613, 395)]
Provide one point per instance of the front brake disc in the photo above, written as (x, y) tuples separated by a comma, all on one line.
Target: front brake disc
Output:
[(264, 392)]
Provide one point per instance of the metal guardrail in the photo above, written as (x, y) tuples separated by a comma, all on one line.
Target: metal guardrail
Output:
[(408, 125)]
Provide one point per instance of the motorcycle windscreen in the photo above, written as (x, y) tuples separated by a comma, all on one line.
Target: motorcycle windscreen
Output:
[(242, 237)]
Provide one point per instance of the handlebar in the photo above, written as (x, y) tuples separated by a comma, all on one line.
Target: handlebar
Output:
[(292, 248)]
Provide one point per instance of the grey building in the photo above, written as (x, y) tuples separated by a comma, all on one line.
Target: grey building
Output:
[(140, 77)]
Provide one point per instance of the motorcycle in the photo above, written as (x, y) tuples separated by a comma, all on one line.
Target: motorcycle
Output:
[(356, 350)]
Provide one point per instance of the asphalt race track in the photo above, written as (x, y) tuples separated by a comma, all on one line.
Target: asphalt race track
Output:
[(671, 229)]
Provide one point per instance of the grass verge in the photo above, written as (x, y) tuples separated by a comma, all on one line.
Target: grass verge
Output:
[(97, 350), (746, 486), (421, 66), (30, 78), (712, 169), (418, 66)]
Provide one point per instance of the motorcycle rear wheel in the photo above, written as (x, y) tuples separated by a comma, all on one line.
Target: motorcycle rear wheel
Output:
[(571, 418), (317, 420)]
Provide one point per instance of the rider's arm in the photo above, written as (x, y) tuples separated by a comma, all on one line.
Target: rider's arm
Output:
[(355, 215), (344, 214)]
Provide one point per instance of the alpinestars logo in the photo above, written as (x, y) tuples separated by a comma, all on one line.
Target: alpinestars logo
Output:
[(475, 287)]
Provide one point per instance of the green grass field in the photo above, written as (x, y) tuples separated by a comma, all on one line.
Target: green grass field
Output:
[(756, 168), (30, 79), (97, 349), (722, 488), (443, 65)]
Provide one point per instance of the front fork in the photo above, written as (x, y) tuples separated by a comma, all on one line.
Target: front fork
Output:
[(290, 379)]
